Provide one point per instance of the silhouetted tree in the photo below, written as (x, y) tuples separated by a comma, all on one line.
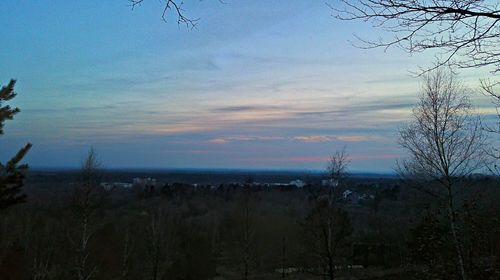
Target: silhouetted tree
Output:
[(327, 232), (477, 228), (327, 226), (429, 245), (43, 247), (87, 198), (465, 32), (126, 254), (246, 235), (491, 89), (11, 173), (160, 235), (171, 5), (445, 143), (337, 171)]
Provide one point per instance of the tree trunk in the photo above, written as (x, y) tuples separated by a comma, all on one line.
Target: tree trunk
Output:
[(330, 268), (453, 229), (283, 258)]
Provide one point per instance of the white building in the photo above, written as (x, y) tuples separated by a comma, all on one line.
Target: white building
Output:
[(107, 186), (347, 193), (144, 181), (329, 183), (298, 183)]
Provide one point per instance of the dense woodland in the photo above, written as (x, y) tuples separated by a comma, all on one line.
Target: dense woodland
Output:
[(71, 228)]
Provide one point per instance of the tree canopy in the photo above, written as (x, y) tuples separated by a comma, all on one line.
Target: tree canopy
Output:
[(11, 173)]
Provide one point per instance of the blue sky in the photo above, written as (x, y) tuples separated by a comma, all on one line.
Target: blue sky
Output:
[(258, 84)]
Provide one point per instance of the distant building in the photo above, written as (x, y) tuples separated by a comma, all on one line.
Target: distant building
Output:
[(298, 183), (277, 185), (107, 186), (347, 193), (329, 183), (123, 185), (355, 198), (144, 181), (351, 197)]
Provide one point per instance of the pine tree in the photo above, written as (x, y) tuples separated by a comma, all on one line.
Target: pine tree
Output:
[(11, 173)]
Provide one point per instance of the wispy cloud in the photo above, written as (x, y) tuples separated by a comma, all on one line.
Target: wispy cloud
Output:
[(177, 129), (374, 157), (225, 140), (247, 108), (324, 159), (353, 108), (218, 141), (301, 138), (309, 159), (342, 138)]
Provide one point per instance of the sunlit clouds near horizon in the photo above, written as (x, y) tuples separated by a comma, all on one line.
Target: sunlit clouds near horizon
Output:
[(258, 84)]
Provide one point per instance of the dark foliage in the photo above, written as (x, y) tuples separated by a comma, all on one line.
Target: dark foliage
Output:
[(12, 173)]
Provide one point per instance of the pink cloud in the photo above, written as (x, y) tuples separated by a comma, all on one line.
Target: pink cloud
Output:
[(329, 138), (218, 141), (315, 138), (225, 140), (302, 138), (309, 159), (373, 157), (353, 158)]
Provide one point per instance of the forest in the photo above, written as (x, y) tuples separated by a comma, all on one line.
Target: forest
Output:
[(243, 229)]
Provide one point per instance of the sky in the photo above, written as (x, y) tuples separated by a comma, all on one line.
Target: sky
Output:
[(257, 84)]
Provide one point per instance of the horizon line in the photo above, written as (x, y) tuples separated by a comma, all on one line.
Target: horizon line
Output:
[(208, 169)]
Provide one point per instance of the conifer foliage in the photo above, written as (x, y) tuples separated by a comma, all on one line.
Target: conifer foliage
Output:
[(12, 173)]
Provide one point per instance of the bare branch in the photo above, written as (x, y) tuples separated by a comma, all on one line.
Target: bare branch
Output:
[(176, 7), (465, 32)]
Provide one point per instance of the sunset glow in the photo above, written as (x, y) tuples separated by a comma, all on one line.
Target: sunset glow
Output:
[(253, 85)]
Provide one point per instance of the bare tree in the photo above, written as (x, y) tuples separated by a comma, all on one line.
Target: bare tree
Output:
[(445, 143), (283, 257), (337, 169), (327, 230), (465, 32), (246, 210), (327, 225), (126, 255), (490, 89), (216, 241), (43, 248), (160, 240), (171, 5), (86, 200)]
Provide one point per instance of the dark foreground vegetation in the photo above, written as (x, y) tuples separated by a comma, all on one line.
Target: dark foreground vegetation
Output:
[(74, 227)]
